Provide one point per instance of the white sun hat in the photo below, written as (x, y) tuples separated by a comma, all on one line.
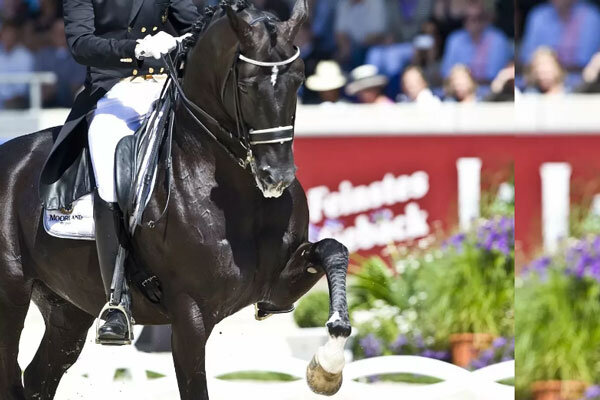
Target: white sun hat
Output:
[(328, 76), (365, 77)]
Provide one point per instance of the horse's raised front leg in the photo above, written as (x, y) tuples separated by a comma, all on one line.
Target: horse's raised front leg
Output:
[(190, 333), (307, 265)]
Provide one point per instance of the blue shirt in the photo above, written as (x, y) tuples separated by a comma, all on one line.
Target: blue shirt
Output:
[(485, 58), (575, 41)]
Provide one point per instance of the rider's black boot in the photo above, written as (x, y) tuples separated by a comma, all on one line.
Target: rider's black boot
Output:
[(109, 226)]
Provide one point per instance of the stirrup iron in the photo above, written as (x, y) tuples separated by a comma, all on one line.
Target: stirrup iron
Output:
[(119, 308)]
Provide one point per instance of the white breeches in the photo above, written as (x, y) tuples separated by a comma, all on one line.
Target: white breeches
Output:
[(118, 114)]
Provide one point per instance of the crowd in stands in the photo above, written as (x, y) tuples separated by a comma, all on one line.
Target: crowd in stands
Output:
[(560, 48), (371, 51)]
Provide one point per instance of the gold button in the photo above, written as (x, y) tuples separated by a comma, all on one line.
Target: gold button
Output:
[(135, 72), (155, 28), (129, 29), (151, 70), (143, 29), (162, 70)]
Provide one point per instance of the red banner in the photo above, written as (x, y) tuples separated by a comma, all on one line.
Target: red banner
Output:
[(370, 191)]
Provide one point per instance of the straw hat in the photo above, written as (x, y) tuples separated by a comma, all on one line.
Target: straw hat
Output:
[(365, 77), (328, 76)]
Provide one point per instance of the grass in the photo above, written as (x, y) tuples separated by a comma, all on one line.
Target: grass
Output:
[(402, 378), (263, 376)]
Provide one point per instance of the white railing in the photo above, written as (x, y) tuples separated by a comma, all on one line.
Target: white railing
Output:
[(93, 378), (35, 80)]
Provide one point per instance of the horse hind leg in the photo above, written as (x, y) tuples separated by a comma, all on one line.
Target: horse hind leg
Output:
[(64, 338), (15, 294)]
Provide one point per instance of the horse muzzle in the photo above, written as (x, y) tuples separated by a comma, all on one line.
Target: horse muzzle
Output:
[(272, 183)]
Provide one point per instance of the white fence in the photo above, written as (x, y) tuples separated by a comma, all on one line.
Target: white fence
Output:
[(458, 383), (241, 344)]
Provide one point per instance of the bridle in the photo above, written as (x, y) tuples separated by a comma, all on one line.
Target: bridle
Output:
[(267, 136), (237, 146)]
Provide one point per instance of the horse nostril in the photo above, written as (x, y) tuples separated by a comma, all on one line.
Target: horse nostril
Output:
[(266, 175)]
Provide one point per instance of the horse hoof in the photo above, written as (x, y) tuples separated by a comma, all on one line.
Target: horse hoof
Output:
[(321, 381)]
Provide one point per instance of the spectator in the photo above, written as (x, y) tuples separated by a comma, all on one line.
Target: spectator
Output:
[(327, 81), (359, 24), (427, 51), (547, 76), (480, 46), (14, 58), (448, 16), (591, 76), (406, 17), (56, 58), (367, 85), (415, 88), (322, 28), (460, 86), (503, 86), (570, 27)]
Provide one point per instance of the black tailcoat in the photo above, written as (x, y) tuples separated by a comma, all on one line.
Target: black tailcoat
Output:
[(102, 35)]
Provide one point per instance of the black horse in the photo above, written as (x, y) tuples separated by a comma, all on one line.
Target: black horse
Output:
[(231, 237)]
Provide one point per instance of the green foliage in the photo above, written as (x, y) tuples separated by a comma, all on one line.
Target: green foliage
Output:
[(263, 376), (582, 221), (558, 325), (469, 289), (312, 310), (385, 307), (499, 202)]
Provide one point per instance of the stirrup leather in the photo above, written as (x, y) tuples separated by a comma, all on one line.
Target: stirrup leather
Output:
[(110, 307)]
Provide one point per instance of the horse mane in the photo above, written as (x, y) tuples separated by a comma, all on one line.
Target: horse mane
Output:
[(209, 14)]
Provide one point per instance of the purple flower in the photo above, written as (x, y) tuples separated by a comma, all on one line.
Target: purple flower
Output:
[(499, 342), (400, 342), (592, 392), (419, 342), (428, 353), (371, 345), (496, 235)]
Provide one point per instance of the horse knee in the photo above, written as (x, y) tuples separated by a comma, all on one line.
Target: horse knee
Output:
[(330, 252)]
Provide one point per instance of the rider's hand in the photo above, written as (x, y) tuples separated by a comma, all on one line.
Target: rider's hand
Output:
[(156, 46)]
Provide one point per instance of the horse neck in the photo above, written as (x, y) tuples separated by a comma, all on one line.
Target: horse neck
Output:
[(207, 67), (194, 150)]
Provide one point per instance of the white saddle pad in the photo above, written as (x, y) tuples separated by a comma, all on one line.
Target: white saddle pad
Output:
[(77, 223)]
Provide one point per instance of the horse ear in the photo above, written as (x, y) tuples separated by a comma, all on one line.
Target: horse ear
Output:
[(241, 28), (299, 16)]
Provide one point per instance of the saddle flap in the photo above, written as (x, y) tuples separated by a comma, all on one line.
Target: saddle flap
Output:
[(124, 171)]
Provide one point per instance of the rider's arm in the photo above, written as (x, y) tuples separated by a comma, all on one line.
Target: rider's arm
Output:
[(87, 48), (183, 14)]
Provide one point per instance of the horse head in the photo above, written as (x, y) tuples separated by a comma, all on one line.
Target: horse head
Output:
[(257, 83)]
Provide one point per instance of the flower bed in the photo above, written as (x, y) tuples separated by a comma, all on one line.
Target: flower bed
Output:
[(557, 306), (411, 303)]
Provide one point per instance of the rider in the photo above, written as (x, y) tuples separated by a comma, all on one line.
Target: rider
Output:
[(121, 43)]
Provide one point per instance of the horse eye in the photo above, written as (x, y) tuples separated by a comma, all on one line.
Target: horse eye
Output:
[(243, 87)]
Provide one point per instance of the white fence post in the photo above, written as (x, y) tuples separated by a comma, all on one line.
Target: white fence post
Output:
[(469, 190), (555, 203)]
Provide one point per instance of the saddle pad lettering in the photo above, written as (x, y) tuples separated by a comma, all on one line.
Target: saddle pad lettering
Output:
[(77, 223)]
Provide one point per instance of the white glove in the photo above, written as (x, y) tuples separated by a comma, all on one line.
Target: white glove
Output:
[(157, 45)]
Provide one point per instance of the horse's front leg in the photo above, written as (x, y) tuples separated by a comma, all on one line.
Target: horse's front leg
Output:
[(190, 333), (307, 265)]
